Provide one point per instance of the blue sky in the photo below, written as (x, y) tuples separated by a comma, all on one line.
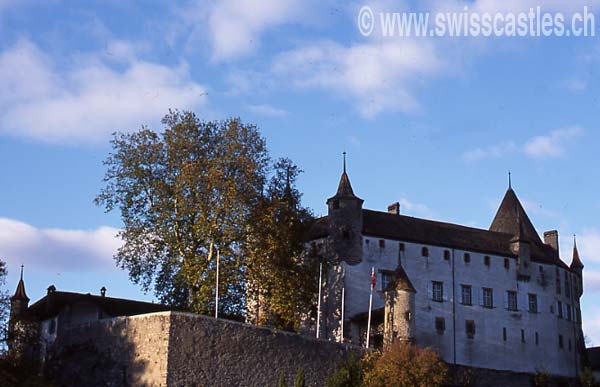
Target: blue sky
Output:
[(435, 123)]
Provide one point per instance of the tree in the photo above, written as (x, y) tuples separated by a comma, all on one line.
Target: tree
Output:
[(348, 374), (184, 194), (281, 280), (404, 365), (4, 308)]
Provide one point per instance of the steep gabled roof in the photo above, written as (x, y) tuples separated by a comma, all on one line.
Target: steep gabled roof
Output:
[(20, 293), (512, 219)]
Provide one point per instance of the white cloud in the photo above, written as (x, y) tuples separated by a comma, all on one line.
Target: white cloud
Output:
[(588, 244), (85, 103), (591, 281), (408, 207), (552, 145), (57, 249), (377, 76), (576, 85), (266, 110)]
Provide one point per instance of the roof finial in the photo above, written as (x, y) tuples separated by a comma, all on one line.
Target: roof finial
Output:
[(22, 266), (344, 155), (509, 180)]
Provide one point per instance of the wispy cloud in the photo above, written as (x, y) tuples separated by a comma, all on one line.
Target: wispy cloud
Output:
[(409, 207), (57, 249), (266, 110), (552, 145), (84, 103)]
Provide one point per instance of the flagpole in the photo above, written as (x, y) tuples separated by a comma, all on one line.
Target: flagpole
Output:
[(217, 287), (343, 297), (319, 301), (370, 305)]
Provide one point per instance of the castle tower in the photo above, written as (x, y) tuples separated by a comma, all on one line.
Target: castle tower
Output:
[(18, 305), (399, 320), (345, 222), (522, 249), (577, 266)]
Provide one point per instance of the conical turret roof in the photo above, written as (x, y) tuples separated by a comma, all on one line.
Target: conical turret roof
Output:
[(20, 292), (512, 219), (576, 262), (401, 281)]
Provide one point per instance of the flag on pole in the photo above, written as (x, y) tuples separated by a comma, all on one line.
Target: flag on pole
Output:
[(373, 278)]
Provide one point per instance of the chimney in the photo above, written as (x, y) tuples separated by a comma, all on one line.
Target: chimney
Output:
[(394, 208), (51, 289), (551, 239), (103, 292)]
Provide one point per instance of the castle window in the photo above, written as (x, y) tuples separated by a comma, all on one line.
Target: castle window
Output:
[(569, 344), (486, 260), (537, 339), (568, 312), (425, 252), (336, 204), (407, 315), (470, 328), (559, 309), (440, 325), (522, 335), (447, 255), (367, 241), (382, 243), (541, 268), (511, 300), (467, 257), (567, 288), (533, 303), (466, 294), (504, 334), (401, 246), (506, 263), (560, 342), (386, 278), (437, 291), (557, 281), (488, 298)]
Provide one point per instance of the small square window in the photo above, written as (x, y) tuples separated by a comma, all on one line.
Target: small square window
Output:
[(511, 297), (386, 278), (486, 260), (336, 204), (506, 263), (425, 252), (533, 304), (466, 294), (382, 243), (447, 255), (440, 325), (401, 246), (467, 257), (488, 297), (470, 328)]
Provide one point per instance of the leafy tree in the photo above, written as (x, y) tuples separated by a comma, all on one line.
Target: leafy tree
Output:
[(4, 309), (404, 365), (349, 374), (587, 378), (281, 281), (184, 194), (299, 379)]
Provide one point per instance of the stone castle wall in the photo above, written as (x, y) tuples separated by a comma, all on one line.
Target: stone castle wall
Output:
[(180, 349)]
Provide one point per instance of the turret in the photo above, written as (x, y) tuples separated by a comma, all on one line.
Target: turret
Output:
[(522, 249), (18, 305), (345, 222), (399, 320), (577, 266)]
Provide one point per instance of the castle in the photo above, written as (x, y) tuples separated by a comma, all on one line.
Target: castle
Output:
[(497, 299)]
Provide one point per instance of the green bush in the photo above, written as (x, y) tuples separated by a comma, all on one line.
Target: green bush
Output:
[(349, 374)]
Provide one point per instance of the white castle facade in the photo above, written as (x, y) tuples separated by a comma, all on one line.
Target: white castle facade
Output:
[(499, 299)]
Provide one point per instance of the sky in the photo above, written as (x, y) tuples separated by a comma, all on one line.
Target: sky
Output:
[(433, 122)]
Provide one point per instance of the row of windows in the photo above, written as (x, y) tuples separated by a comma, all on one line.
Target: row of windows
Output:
[(487, 297), (440, 327)]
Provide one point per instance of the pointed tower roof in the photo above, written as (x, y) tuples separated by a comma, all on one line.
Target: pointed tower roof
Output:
[(20, 292), (576, 262), (512, 219), (344, 187), (401, 281)]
